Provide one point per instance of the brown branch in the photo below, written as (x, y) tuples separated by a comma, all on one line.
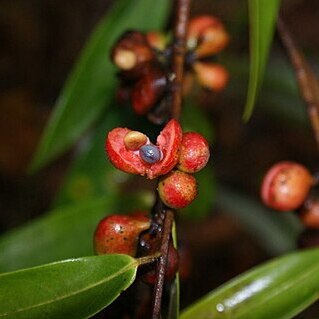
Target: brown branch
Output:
[(179, 49), (161, 267), (306, 78)]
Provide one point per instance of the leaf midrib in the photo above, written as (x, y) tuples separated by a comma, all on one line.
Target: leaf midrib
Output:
[(103, 281)]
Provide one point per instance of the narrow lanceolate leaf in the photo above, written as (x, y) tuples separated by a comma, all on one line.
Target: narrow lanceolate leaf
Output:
[(262, 16), (92, 81), (278, 289), (75, 288)]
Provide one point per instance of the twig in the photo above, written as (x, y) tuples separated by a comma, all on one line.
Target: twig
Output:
[(306, 78), (160, 273), (179, 49)]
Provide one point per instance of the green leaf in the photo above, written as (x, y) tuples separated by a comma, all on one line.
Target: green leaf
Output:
[(75, 288), (92, 81), (278, 289), (63, 233), (262, 16)]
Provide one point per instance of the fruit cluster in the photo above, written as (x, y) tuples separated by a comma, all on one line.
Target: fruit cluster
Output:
[(145, 75), (175, 156), (287, 186)]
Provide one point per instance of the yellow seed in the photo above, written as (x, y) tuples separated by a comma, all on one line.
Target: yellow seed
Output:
[(125, 59), (134, 140)]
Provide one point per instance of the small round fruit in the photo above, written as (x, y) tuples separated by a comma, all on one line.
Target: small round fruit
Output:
[(194, 153), (286, 186), (118, 234), (177, 189), (310, 213)]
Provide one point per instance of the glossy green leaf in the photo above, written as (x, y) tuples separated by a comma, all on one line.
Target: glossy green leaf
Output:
[(203, 203), (75, 288), (62, 233), (262, 16), (92, 81), (278, 289)]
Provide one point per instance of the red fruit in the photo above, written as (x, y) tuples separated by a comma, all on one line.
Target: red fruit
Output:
[(206, 35), (149, 88), (118, 234), (310, 213), (171, 267), (194, 153), (130, 161), (131, 50), (211, 76), (286, 186), (177, 189)]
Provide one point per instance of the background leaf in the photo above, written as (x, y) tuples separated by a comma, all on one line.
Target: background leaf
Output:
[(76, 288), (279, 289), (262, 16), (92, 81), (65, 232)]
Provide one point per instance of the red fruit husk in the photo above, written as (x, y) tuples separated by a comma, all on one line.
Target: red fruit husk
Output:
[(129, 161)]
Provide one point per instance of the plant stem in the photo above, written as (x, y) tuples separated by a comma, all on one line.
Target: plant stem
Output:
[(179, 49), (161, 267), (306, 78)]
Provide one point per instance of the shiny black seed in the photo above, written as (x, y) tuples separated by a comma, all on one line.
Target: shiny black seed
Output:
[(150, 154)]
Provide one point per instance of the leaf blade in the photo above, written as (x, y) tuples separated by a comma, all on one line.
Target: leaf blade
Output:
[(75, 288), (85, 94), (262, 16), (283, 288)]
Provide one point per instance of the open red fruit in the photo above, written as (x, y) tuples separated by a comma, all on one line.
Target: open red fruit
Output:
[(118, 234), (286, 186), (130, 161)]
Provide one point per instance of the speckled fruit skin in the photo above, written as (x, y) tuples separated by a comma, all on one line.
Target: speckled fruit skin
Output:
[(309, 214), (118, 234), (129, 161), (194, 153), (286, 186), (177, 189)]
